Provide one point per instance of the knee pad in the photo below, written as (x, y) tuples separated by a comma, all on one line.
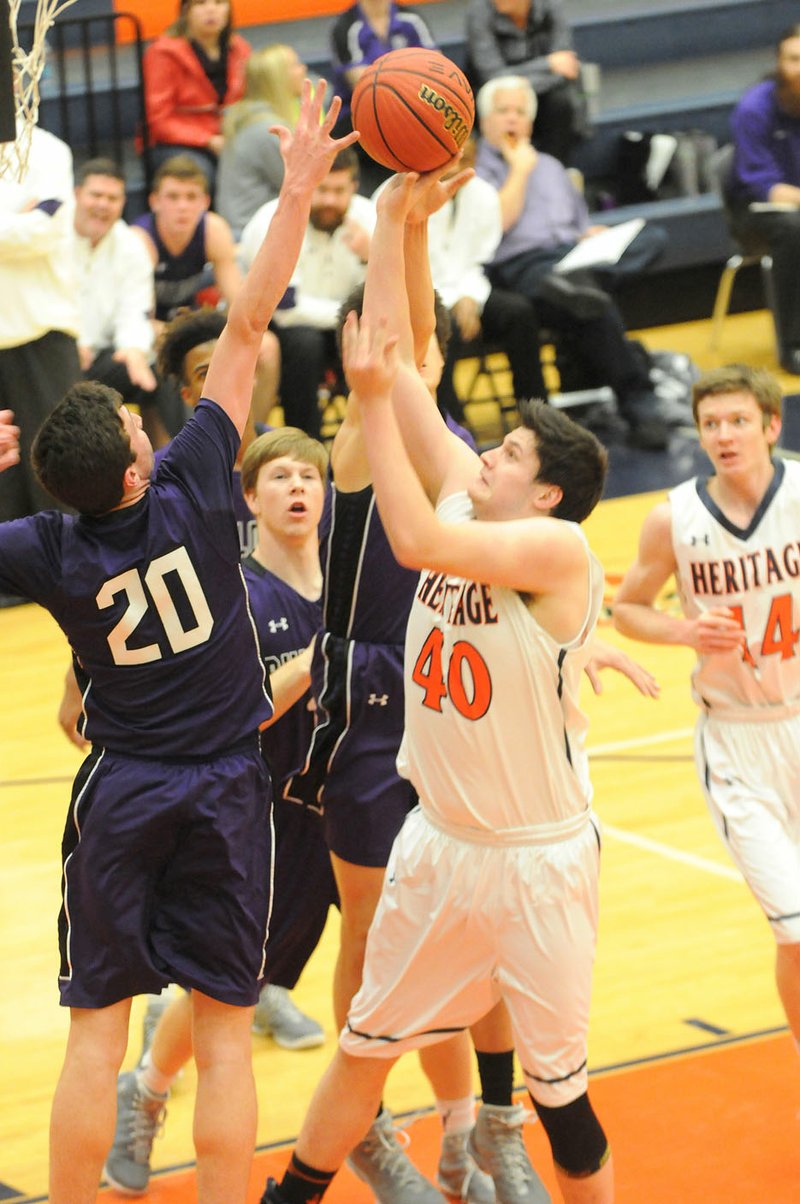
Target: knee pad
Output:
[(576, 1137)]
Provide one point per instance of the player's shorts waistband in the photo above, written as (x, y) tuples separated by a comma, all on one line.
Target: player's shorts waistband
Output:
[(765, 714), (249, 744), (565, 829)]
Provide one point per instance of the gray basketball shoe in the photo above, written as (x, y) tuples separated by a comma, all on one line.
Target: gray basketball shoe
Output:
[(277, 1015), (140, 1115), (459, 1176), (384, 1166), (496, 1145)]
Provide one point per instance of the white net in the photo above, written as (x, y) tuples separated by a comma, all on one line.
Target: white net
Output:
[(27, 68)]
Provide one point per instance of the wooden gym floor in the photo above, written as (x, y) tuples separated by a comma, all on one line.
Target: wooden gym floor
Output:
[(693, 1072)]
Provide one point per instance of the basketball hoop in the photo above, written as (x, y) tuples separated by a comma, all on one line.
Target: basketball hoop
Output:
[(26, 71)]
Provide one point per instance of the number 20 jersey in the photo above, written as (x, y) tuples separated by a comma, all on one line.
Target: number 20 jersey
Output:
[(755, 572), (494, 736), (153, 602)]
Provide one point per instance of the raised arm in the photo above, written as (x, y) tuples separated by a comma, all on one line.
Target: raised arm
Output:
[(540, 556), (634, 610), (307, 154), (398, 284)]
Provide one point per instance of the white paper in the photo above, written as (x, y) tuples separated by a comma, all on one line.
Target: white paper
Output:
[(605, 247)]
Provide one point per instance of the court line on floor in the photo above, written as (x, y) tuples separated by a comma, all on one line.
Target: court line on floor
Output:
[(693, 860), (680, 733), (645, 842)]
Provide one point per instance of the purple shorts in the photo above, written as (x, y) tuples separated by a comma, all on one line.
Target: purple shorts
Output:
[(167, 878), (350, 773), (304, 890)]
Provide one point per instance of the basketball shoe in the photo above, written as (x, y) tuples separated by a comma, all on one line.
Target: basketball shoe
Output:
[(140, 1115), (382, 1163), (496, 1145), (276, 1015), (459, 1176)]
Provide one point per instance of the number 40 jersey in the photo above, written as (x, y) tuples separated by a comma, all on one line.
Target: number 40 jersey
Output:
[(754, 572), (494, 736)]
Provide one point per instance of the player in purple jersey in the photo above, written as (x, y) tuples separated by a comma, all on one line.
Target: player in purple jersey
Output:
[(167, 844), (283, 476)]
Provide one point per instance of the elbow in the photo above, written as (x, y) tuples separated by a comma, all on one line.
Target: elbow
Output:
[(619, 618), (407, 551)]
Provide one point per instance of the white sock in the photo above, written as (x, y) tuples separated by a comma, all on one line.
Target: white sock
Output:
[(457, 1115), (152, 1079)]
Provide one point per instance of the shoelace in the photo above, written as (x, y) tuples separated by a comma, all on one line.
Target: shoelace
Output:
[(384, 1145), (511, 1150), (146, 1123)]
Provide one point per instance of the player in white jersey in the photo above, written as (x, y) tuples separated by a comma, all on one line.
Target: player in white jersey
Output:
[(731, 542), (491, 889)]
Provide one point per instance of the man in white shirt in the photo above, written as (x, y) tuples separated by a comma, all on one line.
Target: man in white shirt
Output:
[(463, 236), (115, 293), (39, 315), (332, 263)]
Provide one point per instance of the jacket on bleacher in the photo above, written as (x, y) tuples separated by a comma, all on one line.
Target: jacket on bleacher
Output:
[(181, 103)]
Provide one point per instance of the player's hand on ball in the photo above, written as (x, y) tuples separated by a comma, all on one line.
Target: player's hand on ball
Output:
[(369, 357), (413, 197)]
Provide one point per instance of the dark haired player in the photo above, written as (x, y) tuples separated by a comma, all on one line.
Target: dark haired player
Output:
[(491, 889), (283, 479), (166, 848)]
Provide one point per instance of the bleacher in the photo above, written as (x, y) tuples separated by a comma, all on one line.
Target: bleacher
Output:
[(666, 65)]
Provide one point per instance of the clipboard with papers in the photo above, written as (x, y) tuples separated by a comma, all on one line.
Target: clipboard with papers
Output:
[(600, 249)]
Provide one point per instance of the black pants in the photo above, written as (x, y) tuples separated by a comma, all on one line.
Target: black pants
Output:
[(305, 354), (560, 119), (780, 233), (33, 378), (604, 354), (508, 319)]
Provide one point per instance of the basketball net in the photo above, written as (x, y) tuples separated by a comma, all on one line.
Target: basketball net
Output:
[(26, 69)]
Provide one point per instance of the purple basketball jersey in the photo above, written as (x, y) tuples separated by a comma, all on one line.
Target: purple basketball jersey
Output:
[(152, 600)]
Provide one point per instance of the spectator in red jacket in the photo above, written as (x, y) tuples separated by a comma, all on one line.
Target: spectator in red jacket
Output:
[(190, 73)]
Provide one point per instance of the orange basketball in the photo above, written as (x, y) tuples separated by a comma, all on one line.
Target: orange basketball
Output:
[(414, 110)]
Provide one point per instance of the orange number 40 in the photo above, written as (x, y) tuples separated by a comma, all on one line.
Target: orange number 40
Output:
[(471, 697)]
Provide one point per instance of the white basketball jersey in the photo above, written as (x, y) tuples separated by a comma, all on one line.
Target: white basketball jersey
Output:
[(754, 572), (494, 737)]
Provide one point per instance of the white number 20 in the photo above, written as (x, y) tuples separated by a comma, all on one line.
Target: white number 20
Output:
[(130, 583)]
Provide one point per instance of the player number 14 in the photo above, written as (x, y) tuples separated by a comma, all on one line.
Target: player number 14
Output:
[(779, 635)]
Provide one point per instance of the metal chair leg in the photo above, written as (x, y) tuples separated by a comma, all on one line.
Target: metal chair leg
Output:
[(723, 298)]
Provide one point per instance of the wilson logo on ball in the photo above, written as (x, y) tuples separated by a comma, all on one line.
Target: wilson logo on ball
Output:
[(453, 121)]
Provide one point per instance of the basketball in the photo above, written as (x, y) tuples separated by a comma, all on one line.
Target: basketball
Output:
[(413, 109)]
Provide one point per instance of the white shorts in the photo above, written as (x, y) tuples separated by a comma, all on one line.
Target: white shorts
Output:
[(460, 926), (750, 773)]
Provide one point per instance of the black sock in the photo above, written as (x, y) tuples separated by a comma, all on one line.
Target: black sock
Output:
[(496, 1072), (303, 1184)]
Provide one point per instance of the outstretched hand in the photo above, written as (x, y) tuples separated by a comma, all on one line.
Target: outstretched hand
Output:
[(606, 656), (413, 197), (369, 357), (9, 440), (308, 151)]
